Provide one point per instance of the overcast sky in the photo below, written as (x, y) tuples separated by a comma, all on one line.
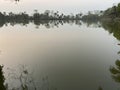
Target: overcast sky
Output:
[(66, 6)]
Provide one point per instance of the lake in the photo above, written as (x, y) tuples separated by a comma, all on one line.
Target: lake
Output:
[(68, 56)]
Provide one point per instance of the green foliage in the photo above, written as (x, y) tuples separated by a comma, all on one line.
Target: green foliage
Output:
[(2, 79), (118, 8), (112, 12), (113, 27), (92, 16), (47, 15)]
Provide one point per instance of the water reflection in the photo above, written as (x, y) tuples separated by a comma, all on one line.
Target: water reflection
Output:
[(38, 23), (55, 23), (100, 88), (112, 27), (22, 79), (115, 70), (66, 69), (93, 23)]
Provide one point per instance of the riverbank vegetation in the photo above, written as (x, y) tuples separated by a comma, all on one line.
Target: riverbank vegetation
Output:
[(47, 18), (111, 13), (47, 15)]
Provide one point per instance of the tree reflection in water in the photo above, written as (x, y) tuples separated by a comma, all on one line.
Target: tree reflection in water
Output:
[(115, 71), (22, 79), (26, 81), (100, 88), (47, 23), (112, 27)]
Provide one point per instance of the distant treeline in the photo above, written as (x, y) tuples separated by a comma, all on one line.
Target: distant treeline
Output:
[(47, 15), (23, 17), (47, 18), (110, 13)]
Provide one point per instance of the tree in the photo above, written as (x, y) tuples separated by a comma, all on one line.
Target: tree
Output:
[(36, 15), (118, 8)]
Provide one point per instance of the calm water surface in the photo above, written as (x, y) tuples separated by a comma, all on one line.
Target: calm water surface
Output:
[(70, 57)]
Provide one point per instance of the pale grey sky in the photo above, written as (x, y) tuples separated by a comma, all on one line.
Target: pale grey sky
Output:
[(66, 6)]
